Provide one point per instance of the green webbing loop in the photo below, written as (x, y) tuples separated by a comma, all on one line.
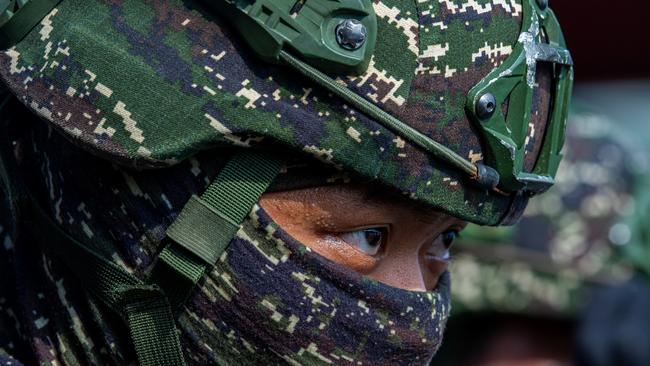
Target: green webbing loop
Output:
[(23, 21), (144, 307), (207, 224)]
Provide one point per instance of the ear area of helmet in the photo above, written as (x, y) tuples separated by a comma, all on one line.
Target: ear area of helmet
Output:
[(509, 113)]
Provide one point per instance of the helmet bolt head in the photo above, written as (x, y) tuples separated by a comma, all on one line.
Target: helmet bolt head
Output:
[(351, 34), (543, 4), (486, 105)]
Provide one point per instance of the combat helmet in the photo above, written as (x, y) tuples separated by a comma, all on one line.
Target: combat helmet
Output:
[(460, 105)]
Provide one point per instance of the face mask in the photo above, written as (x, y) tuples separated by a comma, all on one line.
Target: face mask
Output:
[(271, 300)]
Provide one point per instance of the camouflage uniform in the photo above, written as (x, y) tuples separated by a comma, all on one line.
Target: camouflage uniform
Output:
[(163, 93)]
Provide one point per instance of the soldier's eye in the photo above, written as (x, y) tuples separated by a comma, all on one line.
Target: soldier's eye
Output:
[(448, 238), (440, 247), (368, 241)]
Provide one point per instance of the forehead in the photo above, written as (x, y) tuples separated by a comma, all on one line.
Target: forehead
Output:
[(369, 199)]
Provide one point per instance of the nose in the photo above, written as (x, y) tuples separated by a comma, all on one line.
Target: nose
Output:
[(401, 270)]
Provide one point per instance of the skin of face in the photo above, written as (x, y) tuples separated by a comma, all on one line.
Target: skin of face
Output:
[(329, 220)]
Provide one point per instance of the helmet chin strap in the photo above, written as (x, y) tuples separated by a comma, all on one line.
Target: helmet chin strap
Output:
[(197, 238), (207, 224)]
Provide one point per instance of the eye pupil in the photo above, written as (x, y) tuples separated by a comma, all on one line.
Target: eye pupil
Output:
[(448, 238), (368, 241), (373, 237)]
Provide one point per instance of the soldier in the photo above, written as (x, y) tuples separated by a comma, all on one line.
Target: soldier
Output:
[(261, 182), (527, 287)]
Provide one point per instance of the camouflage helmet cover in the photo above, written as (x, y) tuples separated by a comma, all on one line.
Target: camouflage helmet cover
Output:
[(149, 83)]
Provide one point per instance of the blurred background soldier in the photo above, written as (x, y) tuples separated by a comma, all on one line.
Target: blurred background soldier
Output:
[(568, 284)]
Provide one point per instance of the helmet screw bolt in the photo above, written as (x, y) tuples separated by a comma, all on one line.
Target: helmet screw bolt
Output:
[(351, 34), (486, 105), (543, 4)]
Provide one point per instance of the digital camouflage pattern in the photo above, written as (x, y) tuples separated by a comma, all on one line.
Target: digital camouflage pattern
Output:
[(569, 241), (150, 83), (265, 281)]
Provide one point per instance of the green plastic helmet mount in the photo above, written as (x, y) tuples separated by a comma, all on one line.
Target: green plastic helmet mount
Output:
[(18, 17), (305, 28), (505, 136)]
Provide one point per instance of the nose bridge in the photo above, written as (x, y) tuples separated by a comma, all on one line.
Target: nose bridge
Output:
[(402, 268)]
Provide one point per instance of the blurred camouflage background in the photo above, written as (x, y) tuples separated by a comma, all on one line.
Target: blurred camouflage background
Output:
[(570, 284), (522, 292)]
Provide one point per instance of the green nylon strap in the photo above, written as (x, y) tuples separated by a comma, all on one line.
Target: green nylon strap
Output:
[(144, 307), (207, 224), (23, 21), (202, 230)]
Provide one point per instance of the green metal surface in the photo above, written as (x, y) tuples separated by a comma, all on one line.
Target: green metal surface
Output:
[(304, 28), (514, 82)]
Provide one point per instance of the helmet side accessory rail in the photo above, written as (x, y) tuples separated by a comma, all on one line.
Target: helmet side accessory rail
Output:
[(332, 35), (306, 35), (506, 134)]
